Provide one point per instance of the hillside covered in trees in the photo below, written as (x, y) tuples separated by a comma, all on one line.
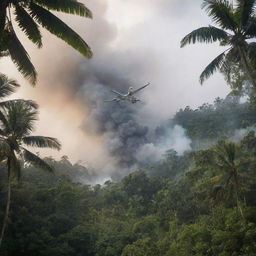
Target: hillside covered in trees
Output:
[(200, 203)]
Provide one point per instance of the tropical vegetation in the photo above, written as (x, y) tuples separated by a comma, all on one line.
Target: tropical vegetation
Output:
[(29, 15), (145, 213), (17, 119), (235, 29)]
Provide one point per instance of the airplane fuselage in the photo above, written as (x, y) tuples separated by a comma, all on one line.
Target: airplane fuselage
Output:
[(128, 97)]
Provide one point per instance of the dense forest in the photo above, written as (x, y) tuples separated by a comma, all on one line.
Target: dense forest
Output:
[(200, 203)]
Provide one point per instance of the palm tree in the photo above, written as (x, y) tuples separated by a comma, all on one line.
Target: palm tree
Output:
[(7, 87), (29, 14), (229, 166), (235, 27), (16, 123)]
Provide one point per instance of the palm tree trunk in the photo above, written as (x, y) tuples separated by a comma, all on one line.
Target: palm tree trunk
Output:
[(246, 67), (7, 209), (237, 200), (239, 206)]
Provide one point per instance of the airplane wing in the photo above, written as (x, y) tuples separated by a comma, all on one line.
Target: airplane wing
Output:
[(118, 93), (144, 86), (109, 100), (115, 99)]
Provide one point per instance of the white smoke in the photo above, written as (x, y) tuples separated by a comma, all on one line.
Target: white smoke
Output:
[(241, 133), (174, 138)]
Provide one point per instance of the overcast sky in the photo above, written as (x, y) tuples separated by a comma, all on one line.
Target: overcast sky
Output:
[(137, 40)]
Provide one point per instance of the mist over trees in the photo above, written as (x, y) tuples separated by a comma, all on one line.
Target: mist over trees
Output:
[(225, 117)]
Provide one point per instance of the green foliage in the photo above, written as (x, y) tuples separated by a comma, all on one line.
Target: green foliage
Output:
[(140, 215), (28, 26), (209, 122), (171, 166), (59, 28), (66, 6), (204, 35), (142, 247), (183, 205), (236, 23), (29, 15), (212, 67), (7, 86), (222, 13), (20, 57)]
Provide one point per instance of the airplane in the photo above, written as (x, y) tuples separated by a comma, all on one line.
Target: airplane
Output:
[(129, 96)]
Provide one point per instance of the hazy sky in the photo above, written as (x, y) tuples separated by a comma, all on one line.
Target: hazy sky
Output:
[(137, 41)]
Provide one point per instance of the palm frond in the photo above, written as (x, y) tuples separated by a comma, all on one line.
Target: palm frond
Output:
[(212, 180), (226, 154), (4, 149), (3, 121), (28, 26), (20, 118), (250, 29), (245, 9), (60, 29), (33, 159), (221, 11), (230, 151), (4, 53), (231, 60), (212, 67), (222, 161), (205, 35), (233, 55), (67, 6), (42, 142), (20, 57), (7, 86), (33, 104)]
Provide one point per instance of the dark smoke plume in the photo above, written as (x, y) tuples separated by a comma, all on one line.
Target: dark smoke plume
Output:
[(129, 141)]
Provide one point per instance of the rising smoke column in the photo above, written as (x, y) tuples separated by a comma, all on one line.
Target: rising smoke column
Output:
[(127, 138), (128, 131), (123, 134)]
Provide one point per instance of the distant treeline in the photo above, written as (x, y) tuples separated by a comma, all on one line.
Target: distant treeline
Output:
[(212, 121)]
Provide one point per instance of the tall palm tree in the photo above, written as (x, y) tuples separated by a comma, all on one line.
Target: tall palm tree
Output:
[(16, 123), (236, 25), (7, 87), (29, 14), (229, 166)]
